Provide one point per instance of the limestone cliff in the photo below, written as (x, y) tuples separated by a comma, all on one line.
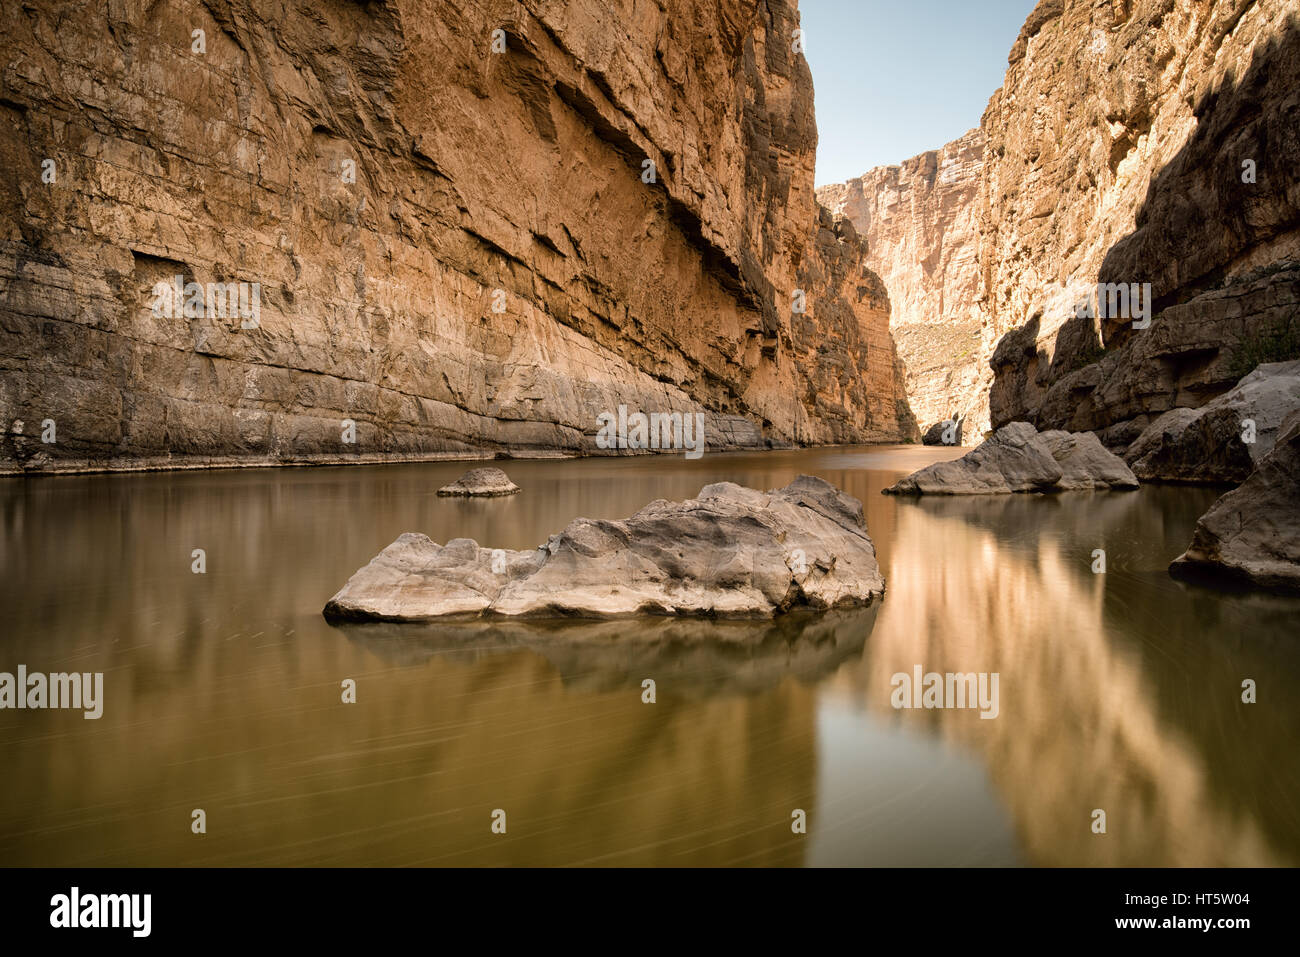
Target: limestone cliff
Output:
[(1133, 142), (1138, 142), (919, 223), (471, 229)]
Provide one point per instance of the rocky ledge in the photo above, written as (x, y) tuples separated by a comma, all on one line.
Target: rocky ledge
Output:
[(486, 483), (1251, 536), (1017, 458), (1224, 440), (731, 552)]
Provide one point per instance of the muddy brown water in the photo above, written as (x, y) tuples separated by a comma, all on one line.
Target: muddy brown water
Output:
[(1118, 691)]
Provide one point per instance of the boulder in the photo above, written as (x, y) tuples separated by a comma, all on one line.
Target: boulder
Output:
[(1018, 459), (481, 482), (935, 434), (1224, 440), (1251, 536), (1085, 463), (731, 552)]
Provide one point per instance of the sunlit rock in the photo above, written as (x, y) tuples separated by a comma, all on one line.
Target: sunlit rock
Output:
[(487, 483), (731, 552), (1018, 459)]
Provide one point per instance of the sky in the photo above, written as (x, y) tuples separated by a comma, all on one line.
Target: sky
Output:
[(895, 78)]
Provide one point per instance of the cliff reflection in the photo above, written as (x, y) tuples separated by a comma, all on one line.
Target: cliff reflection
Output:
[(1087, 668)]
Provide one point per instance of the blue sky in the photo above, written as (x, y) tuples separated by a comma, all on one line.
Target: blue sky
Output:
[(897, 78)]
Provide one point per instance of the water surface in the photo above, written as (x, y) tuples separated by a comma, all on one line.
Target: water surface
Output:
[(1119, 691)]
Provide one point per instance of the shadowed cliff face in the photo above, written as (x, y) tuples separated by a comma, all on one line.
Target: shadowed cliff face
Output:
[(462, 240), (1132, 142), (1174, 167)]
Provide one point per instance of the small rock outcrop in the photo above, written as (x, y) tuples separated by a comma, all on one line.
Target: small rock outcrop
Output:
[(1251, 536), (1018, 459), (485, 483), (945, 432), (1223, 441), (731, 552)]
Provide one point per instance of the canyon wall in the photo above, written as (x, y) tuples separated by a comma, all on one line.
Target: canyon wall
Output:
[(1137, 142), (1132, 142), (471, 231), (919, 222)]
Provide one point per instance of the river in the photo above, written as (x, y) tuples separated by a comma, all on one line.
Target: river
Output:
[(1119, 691)]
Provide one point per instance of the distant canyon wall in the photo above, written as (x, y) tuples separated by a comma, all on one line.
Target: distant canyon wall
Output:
[(1132, 142), (471, 231), (920, 226)]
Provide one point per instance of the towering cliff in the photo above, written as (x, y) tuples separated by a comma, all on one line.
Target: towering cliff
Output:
[(456, 230), (1140, 142), (1132, 142), (919, 222)]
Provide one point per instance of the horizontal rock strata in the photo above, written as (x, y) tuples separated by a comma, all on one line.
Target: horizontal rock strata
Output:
[(919, 220), (465, 230)]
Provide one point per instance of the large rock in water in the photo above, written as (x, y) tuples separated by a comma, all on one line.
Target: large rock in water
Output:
[(1209, 444), (1018, 459), (1252, 534), (731, 552), (486, 483)]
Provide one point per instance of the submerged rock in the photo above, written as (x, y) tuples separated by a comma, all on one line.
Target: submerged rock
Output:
[(731, 552), (1224, 440), (1251, 536), (1018, 459), (484, 482)]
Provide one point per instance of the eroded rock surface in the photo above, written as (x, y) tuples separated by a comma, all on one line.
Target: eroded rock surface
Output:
[(731, 552), (919, 220), (1016, 458), (1252, 535), (1134, 143), (456, 250), (1223, 441), (488, 482)]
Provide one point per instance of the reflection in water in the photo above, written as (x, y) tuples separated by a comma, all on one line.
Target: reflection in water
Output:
[(1087, 719), (690, 656), (1118, 691)]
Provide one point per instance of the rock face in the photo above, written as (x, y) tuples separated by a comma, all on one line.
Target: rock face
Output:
[(481, 482), (947, 432), (1134, 143), (1223, 441), (1252, 534), (919, 220), (1016, 458), (454, 231), (732, 552)]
